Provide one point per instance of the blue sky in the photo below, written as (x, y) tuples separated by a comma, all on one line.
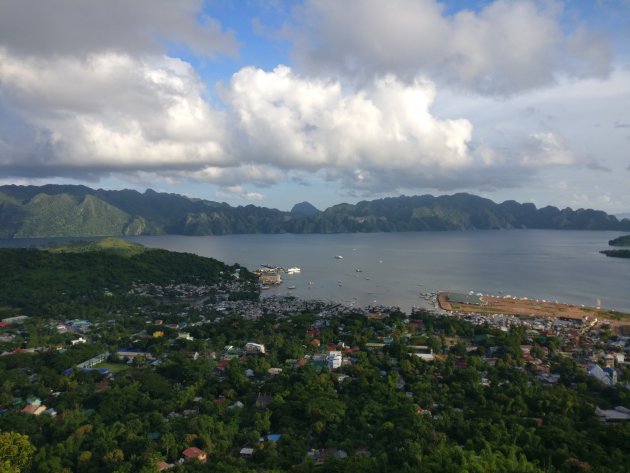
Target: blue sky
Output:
[(277, 102)]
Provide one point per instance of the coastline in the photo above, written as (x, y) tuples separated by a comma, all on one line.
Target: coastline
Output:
[(524, 307)]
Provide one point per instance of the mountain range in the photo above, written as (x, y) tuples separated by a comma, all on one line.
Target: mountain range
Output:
[(79, 211)]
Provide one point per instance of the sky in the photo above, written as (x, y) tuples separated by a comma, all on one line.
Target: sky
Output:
[(273, 103)]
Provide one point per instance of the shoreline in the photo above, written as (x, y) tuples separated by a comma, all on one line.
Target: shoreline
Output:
[(524, 307)]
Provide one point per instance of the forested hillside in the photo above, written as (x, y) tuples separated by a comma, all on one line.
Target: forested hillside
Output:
[(51, 210), (40, 282)]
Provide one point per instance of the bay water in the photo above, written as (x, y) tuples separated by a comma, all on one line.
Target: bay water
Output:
[(395, 268)]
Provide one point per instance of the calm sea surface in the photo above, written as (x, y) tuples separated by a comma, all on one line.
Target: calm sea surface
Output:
[(394, 268)]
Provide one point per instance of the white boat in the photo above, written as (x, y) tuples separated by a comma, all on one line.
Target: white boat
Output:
[(338, 257), (293, 270), (290, 287)]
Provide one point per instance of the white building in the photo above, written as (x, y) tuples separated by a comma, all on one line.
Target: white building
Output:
[(334, 359), (251, 347)]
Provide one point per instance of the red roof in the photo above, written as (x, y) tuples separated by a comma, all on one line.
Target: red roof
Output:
[(194, 452), (161, 466)]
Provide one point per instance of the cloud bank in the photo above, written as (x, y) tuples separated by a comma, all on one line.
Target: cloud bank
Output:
[(504, 48), (378, 100)]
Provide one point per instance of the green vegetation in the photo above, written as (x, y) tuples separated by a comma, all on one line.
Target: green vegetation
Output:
[(15, 452), (620, 241), (47, 211), (109, 245), (616, 253), (74, 279), (478, 407), (623, 241)]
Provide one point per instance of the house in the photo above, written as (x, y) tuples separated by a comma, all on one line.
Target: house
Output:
[(221, 365), (252, 348), (246, 452), (607, 376), (423, 352), (33, 400), (34, 409), (334, 359), (618, 414), (162, 465), (263, 400), (194, 453), (18, 319), (131, 354), (609, 360)]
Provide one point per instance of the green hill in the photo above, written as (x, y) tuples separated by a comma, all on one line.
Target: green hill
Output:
[(109, 245), (32, 279), (78, 211), (620, 241)]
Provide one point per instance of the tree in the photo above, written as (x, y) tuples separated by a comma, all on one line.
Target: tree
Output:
[(16, 451)]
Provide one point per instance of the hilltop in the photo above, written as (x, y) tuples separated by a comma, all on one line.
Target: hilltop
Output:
[(79, 211)]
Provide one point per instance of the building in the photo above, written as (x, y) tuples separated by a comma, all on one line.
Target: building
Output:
[(608, 376), (194, 453), (618, 414), (246, 452), (423, 352), (34, 409), (334, 359), (252, 348)]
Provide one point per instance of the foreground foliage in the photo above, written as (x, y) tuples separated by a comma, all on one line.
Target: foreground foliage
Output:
[(476, 408)]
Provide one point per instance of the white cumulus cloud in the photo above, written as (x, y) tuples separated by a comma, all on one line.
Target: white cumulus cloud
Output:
[(110, 112), (293, 122)]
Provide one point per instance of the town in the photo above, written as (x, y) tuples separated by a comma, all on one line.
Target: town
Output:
[(172, 376)]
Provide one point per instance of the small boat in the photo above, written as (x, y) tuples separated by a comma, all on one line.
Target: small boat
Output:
[(359, 270), (338, 257), (290, 287), (293, 270)]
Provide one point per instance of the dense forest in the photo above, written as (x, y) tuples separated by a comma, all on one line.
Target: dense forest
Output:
[(478, 407), (64, 210), (39, 282)]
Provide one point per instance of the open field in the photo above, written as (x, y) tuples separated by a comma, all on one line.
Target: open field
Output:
[(526, 307)]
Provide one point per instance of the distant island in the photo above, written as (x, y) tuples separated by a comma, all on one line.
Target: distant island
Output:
[(622, 241), (79, 211)]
